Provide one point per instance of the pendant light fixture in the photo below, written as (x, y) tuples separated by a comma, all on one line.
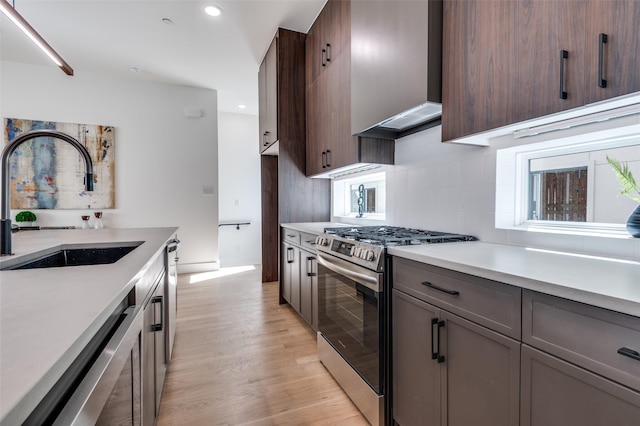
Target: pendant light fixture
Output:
[(24, 26)]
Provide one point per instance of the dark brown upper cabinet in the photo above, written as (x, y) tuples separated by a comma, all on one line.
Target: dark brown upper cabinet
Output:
[(268, 97), (479, 80), (510, 61), (366, 62)]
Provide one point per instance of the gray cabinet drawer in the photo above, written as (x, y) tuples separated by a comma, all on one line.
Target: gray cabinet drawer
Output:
[(489, 303), (290, 236), (308, 241), (587, 336)]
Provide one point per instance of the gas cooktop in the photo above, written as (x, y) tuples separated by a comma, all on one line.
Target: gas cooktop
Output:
[(395, 236)]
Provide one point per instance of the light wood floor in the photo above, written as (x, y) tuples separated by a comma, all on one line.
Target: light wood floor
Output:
[(240, 358)]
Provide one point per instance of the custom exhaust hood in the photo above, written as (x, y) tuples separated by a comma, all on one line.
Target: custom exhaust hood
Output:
[(396, 82)]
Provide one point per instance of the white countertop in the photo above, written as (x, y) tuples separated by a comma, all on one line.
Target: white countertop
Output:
[(47, 316), (605, 283), (315, 228)]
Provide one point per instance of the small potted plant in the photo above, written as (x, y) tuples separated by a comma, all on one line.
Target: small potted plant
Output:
[(631, 190), (26, 217)]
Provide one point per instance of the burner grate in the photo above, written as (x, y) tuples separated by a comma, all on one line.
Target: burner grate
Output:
[(394, 236)]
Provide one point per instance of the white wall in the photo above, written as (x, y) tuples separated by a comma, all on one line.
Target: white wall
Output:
[(163, 158), (239, 180), (451, 187)]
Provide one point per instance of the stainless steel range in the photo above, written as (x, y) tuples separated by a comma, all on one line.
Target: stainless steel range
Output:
[(353, 308)]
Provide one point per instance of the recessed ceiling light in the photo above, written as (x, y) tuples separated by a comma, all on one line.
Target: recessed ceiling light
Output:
[(242, 106), (213, 10), (134, 69), (167, 21)]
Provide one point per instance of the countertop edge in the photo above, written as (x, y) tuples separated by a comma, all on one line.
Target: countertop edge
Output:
[(29, 400), (610, 302)]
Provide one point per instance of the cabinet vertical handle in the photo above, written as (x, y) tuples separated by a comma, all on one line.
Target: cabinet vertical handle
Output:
[(440, 357), (158, 327), (289, 250), (323, 55), (434, 353), (630, 353), (602, 40), (328, 158), (328, 52), (564, 55), (264, 138), (324, 159), (310, 260)]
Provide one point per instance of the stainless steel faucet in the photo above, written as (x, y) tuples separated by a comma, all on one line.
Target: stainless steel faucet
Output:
[(5, 208)]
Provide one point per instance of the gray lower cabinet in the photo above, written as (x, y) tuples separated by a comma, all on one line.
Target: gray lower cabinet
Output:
[(291, 275), (299, 268), (557, 393), (450, 371), (154, 360), (309, 288)]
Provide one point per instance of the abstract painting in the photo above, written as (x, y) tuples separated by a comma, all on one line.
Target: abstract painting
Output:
[(48, 173)]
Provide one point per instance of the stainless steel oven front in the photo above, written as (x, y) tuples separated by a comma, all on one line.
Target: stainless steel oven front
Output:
[(351, 335)]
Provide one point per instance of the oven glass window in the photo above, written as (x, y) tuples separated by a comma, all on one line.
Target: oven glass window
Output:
[(348, 317)]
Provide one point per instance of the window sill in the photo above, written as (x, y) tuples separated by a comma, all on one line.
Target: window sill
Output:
[(595, 230)]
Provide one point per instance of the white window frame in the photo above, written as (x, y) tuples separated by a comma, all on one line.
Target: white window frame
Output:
[(512, 174), (342, 196)]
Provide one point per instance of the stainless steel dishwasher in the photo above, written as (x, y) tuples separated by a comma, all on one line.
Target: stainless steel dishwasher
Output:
[(171, 286), (103, 385)]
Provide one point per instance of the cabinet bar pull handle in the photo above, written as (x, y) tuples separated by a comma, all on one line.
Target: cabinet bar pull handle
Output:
[(630, 353), (440, 357), (602, 40), (289, 250), (564, 55), (323, 55), (324, 159), (158, 327), (434, 353), (310, 260), (264, 138), (444, 290), (328, 158), (328, 52)]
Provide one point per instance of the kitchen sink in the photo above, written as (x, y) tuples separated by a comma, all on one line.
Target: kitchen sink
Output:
[(77, 256)]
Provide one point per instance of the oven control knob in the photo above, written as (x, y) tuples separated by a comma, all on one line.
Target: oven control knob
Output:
[(352, 251), (363, 254), (357, 251), (371, 255)]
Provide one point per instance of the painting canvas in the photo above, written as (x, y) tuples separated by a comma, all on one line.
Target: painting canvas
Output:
[(48, 173)]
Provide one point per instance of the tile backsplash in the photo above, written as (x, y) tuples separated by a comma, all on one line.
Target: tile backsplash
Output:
[(451, 187)]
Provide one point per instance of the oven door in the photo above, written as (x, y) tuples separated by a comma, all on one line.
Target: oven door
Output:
[(350, 309)]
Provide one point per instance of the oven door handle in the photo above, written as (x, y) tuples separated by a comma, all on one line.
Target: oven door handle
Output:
[(86, 404), (368, 279)]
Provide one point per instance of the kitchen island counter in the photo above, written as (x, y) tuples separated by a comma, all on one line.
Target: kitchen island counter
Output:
[(610, 284), (47, 316)]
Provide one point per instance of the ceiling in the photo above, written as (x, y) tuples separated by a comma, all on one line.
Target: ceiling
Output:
[(115, 36)]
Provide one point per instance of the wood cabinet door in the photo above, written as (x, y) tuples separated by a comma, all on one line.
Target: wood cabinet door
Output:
[(312, 56), (262, 105), (336, 34), (556, 393), (341, 146), (271, 64), (295, 280), (416, 376), (545, 29), (307, 261), (618, 20), (481, 372), (479, 74), (268, 97), (288, 257), (316, 112)]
